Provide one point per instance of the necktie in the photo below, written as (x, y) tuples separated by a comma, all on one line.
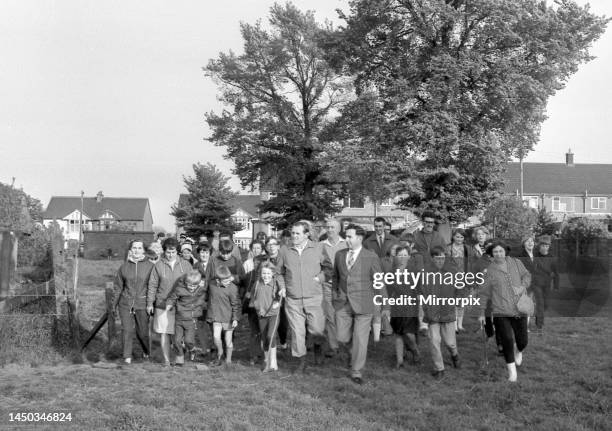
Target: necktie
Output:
[(380, 241), (351, 259)]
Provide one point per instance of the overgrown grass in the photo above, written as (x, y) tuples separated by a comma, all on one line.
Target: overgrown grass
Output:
[(564, 384)]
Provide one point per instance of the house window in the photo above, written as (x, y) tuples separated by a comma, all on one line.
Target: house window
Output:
[(245, 222), (598, 203), (73, 226), (563, 204), (387, 203), (530, 202), (354, 200)]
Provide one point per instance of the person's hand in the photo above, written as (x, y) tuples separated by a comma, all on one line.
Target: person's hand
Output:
[(150, 310), (317, 279), (247, 295), (234, 323), (386, 313), (226, 281), (282, 293), (169, 307), (481, 320), (327, 284)]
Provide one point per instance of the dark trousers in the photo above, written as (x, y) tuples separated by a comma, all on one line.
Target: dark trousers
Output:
[(267, 329), (184, 331), (540, 293), (490, 331), (134, 321), (255, 338), (511, 329), (283, 325), (202, 332)]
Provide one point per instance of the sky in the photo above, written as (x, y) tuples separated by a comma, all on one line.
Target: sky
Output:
[(110, 95)]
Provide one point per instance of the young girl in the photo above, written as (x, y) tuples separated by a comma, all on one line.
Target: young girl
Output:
[(265, 299), (223, 309)]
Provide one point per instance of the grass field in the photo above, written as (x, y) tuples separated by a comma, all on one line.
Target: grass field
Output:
[(565, 383)]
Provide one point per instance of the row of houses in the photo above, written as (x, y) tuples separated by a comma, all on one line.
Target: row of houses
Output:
[(564, 189)]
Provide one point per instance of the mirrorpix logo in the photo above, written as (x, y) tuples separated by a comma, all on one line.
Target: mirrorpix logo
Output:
[(409, 279)]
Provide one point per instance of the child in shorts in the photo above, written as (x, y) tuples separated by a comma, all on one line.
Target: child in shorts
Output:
[(223, 311)]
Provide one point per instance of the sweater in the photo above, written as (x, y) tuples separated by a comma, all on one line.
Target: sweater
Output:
[(503, 288), (223, 303), (131, 283), (162, 280)]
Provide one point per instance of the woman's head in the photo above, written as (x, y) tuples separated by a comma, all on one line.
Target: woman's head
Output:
[(527, 242), (458, 236), (480, 234), (498, 249)]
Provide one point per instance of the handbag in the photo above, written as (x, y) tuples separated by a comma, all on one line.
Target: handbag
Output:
[(525, 304)]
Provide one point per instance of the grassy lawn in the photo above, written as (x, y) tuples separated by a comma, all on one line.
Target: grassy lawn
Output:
[(565, 383)]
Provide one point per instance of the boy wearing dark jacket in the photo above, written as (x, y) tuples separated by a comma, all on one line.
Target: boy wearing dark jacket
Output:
[(189, 298), (223, 311)]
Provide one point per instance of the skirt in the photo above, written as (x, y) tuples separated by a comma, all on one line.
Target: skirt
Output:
[(163, 321), (405, 325)]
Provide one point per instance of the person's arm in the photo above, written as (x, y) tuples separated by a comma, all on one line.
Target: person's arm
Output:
[(555, 273), (173, 296), (118, 287), (326, 266), (235, 304), (152, 290), (376, 268), (524, 274), (335, 279), (485, 293)]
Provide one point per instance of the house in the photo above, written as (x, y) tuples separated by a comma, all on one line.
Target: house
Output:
[(363, 211), (100, 213), (565, 189)]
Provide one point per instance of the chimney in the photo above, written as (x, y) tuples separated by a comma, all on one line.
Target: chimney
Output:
[(99, 197), (569, 158)]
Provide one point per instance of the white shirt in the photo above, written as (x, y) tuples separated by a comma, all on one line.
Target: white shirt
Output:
[(355, 253)]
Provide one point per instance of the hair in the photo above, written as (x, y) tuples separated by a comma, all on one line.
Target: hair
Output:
[(262, 236), (155, 247), (380, 219), (359, 231), (497, 243), (479, 229), (225, 246), (256, 241), (170, 243), (402, 248), (393, 249), (407, 237), (305, 225), (161, 235), (267, 265), (437, 251), (203, 247), (428, 214), (387, 224), (193, 277), (226, 233), (286, 233), (335, 222), (457, 231), (137, 240), (222, 272), (271, 238)]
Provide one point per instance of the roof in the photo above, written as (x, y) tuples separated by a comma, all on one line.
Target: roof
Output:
[(125, 208), (247, 203), (559, 178)]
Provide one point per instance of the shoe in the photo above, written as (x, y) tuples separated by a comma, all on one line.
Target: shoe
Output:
[(145, 357), (437, 374), (301, 368), (283, 346), (179, 361), (416, 359), (512, 377), (216, 362), (127, 361), (331, 353), (166, 364), (399, 365), (357, 380), (518, 358), (456, 363)]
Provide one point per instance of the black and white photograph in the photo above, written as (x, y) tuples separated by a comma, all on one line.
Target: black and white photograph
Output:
[(306, 215)]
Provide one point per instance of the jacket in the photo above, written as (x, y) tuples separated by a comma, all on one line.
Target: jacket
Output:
[(162, 280), (223, 303), (527, 261), (299, 271), (131, 283), (355, 285), (423, 243), (503, 288), (545, 271), (264, 295), (235, 267), (434, 312), (395, 290), (371, 243), (189, 305)]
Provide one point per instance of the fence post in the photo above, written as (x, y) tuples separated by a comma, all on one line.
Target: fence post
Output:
[(110, 310)]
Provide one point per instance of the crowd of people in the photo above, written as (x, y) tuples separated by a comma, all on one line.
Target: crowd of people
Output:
[(319, 291)]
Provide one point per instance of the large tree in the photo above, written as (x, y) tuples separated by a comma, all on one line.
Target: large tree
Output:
[(207, 205), (280, 94), (461, 86)]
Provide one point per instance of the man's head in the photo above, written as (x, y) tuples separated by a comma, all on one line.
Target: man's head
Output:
[(225, 248), (544, 243), (438, 256), (267, 271), (429, 221), (204, 252), (272, 246), (387, 228), (170, 247), (299, 233), (354, 236), (379, 226)]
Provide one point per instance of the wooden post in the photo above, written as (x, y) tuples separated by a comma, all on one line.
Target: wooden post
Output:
[(110, 310)]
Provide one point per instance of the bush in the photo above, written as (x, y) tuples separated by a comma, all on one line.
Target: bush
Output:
[(35, 249)]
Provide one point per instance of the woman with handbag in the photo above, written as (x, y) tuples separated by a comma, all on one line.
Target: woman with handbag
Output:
[(505, 285)]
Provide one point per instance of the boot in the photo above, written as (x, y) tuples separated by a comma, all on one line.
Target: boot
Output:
[(455, 359), (376, 331), (273, 364), (318, 354), (511, 372), (180, 360), (301, 365)]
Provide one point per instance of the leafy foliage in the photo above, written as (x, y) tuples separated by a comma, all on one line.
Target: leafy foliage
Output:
[(281, 94), (510, 217), (461, 86), (18, 210), (208, 203), (545, 223)]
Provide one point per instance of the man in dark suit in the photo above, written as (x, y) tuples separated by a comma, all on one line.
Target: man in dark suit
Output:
[(354, 296), (380, 242)]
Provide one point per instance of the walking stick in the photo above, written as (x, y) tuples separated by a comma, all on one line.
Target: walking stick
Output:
[(276, 321), (484, 344)]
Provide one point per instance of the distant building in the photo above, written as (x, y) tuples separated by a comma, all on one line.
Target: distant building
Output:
[(100, 213), (565, 189), (363, 211)]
